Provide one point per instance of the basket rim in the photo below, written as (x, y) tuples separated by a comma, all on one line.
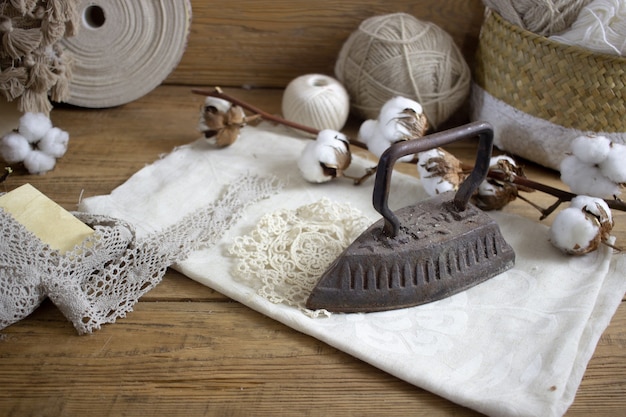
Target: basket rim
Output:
[(559, 46), (568, 85)]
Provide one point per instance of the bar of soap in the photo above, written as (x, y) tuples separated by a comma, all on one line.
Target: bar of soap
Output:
[(44, 218)]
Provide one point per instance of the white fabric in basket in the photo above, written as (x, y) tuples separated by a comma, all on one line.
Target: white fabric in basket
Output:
[(516, 345), (522, 134)]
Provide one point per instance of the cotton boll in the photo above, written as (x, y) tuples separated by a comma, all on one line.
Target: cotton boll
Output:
[(14, 148), (591, 149), (378, 145), (375, 141), (493, 194), (309, 165), (614, 166), (333, 150), (586, 179), (583, 226), (595, 206), (495, 160), (401, 118), (395, 105), (372, 137), (487, 189), (219, 104), (599, 209), (54, 142), (33, 126), (574, 233), (368, 131), (435, 185), (325, 158), (434, 172), (37, 162), (220, 117)]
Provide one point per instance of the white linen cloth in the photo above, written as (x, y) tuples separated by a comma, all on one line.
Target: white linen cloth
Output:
[(516, 345)]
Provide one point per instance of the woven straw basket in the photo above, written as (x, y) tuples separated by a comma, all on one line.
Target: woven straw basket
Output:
[(567, 85), (539, 94)]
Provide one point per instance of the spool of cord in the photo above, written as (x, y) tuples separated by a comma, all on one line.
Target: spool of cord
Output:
[(124, 49), (397, 54), (317, 101)]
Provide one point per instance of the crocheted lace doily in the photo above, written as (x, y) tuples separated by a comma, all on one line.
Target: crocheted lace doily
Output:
[(289, 250), (101, 279)]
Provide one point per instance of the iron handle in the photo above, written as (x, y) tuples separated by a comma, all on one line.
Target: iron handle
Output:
[(382, 183)]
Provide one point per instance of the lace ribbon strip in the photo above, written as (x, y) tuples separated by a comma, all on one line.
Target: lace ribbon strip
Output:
[(102, 279)]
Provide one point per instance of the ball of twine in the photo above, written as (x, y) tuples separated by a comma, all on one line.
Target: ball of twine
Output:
[(317, 101), (397, 54), (543, 17)]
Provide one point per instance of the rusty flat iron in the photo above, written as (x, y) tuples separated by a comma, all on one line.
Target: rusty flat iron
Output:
[(423, 252)]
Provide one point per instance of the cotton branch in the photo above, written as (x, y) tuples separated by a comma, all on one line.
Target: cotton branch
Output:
[(219, 93), (561, 195)]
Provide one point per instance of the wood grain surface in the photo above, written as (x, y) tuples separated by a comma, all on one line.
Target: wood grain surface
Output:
[(267, 44), (187, 350)]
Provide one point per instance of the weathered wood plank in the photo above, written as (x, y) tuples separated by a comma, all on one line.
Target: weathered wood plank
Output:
[(191, 358), (267, 44), (184, 359)]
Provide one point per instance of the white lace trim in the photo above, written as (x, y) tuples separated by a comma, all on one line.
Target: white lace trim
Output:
[(289, 250), (101, 279)]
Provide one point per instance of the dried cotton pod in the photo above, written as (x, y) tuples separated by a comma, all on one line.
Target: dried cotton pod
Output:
[(591, 149), (325, 158), (54, 142), (38, 162), (221, 121), (597, 208), (493, 194), (595, 167), (399, 119), (33, 126), (613, 166), (14, 148), (582, 227), (439, 171), (36, 143)]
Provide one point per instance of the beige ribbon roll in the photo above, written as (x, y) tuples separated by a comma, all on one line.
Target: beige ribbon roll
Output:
[(125, 48)]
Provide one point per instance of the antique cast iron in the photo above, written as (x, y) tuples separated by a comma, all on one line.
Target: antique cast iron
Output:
[(421, 253)]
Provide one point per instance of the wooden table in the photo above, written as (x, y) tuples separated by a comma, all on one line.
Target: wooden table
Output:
[(187, 350)]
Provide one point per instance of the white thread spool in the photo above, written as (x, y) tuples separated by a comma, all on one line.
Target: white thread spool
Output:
[(317, 101)]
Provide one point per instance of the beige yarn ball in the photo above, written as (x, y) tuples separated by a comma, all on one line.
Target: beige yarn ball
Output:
[(397, 54)]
